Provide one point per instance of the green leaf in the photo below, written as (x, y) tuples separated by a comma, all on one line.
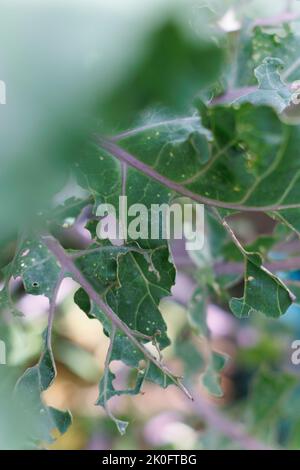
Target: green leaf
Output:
[(211, 378), (45, 419), (261, 245), (7, 303), (272, 91), (290, 218), (197, 311), (66, 214), (100, 174), (110, 391), (294, 286), (254, 161), (133, 284), (191, 357), (263, 292), (37, 267), (210, 361), (169, 147), (281, 41)]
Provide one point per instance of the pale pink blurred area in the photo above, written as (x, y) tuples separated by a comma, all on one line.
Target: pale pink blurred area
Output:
[(220, 322), (34, 306), (168, 428), (183, 289)]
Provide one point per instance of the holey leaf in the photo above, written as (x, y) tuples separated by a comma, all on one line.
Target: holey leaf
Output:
[(211, 362), (131, 278), (211, 378), (132, 284), (107, 391), (254, 157), (132, 281), (65, 214), (263, 292), (44, 419), (106, 179), (271, 90), (280, 40), (37, 267)]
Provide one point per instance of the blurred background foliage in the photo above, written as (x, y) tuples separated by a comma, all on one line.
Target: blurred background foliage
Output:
[(72, 67)]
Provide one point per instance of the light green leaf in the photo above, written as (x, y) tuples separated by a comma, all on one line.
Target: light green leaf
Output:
[(263, 292), (211, 378), (45, 419), (272, 91), (37, 267), (254, 161), (197, 311), (66, 214), (280, 40), (132, 281)]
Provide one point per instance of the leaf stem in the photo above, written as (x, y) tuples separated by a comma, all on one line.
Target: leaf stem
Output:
[(153, 125), (238, 268), (106, 373), (89, 251), (68, 266), (126, 157), (52, 308), (230, 232)]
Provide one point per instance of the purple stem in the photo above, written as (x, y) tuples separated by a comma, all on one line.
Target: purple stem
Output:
[(238, 268), (126, 157), (233, 95), (69, 266), (284, 17)]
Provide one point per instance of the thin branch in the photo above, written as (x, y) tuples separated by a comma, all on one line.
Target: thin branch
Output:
[(68, 265), (154, 125), (233, 95), (126, 157), (106, 373), (129, 249), (230, 232), (224, 267), (52, 307), (216, 420)]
